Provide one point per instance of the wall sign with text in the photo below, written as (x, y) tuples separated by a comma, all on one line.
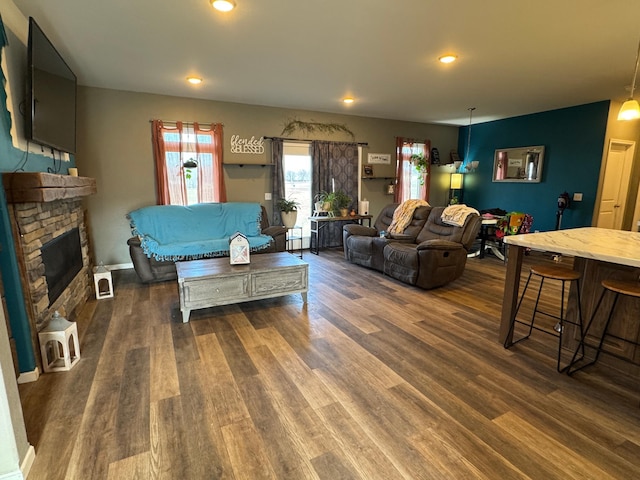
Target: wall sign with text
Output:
[(253, 145), (383, 158)]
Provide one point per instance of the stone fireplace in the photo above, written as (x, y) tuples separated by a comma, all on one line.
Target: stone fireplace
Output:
[(46, 212)]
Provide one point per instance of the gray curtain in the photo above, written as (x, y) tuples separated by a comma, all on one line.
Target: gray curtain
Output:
[(277, 177), (335, 167)]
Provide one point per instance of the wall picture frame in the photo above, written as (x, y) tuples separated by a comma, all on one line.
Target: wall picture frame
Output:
[(367, 170), (521, 164)]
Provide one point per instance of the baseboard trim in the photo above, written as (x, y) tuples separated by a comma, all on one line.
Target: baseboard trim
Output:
[(27, 463), (17, 475), (28, 377), (120, 266)]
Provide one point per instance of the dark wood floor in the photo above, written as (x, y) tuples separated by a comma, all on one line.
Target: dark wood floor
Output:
[(371, 379)]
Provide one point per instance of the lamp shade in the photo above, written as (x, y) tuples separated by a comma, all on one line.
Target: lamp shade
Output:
[(456, 181), (630, 110)]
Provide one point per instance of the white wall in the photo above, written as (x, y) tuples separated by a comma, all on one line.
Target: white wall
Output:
[(13, 436)]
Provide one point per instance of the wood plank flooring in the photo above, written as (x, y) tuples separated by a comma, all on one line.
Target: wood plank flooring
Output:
[(372, 379)]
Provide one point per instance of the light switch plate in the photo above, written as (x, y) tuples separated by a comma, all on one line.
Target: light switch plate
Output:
[(267, 196), (577, 197)]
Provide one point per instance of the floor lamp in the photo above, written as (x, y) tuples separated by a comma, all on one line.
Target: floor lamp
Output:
[(457, 180)]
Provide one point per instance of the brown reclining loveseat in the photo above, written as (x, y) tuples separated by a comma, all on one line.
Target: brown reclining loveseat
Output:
[(428, 254)]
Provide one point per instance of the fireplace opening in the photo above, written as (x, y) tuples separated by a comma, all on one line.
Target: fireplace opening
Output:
[(62, 258)]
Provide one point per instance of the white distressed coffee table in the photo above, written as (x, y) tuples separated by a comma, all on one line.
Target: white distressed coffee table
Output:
[(214, 281)]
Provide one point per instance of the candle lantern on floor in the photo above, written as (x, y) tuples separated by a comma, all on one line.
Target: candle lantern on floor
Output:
[(103, 282), (59, 344)]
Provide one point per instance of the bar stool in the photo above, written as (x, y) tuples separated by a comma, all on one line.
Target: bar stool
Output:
[(617, 287), (552, 272)]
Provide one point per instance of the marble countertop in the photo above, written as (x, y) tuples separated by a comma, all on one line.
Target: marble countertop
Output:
[(614, 246)]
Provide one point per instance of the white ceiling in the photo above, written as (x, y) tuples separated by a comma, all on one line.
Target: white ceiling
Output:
[(515, 56)]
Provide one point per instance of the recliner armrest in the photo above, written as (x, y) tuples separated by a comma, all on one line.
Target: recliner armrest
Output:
[(355, 229), (274, 230), (439, 245), (134, 242), (279, 235)]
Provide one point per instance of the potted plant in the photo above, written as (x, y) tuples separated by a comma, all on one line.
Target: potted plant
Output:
[(422, 165), (188, 166), (341, 202), (319, 201), (288, 211), (325, 201)]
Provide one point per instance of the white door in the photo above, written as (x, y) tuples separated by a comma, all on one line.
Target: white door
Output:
[(615, 184)]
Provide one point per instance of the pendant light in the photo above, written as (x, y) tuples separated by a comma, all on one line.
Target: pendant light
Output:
[(470, 165), (630, 109)]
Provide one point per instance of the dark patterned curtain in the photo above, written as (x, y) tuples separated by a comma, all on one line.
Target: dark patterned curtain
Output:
[(335, 167), (277, 177)]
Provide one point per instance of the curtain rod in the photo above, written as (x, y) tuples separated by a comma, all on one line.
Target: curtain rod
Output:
[(183, 121), (364, 144)]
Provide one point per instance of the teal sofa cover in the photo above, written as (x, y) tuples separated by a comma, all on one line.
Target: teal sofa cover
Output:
[(173, 232)]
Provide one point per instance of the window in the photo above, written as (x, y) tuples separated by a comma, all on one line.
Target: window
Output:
[(297, 182), (410, 182), (412, 179), (188, 163)]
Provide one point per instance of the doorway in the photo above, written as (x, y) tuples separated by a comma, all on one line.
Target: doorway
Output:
[(615, 184)]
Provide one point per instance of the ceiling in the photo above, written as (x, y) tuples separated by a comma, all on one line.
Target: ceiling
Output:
[(515, 57)]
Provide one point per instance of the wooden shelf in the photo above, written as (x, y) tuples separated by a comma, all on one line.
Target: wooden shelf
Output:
[(22, 187)]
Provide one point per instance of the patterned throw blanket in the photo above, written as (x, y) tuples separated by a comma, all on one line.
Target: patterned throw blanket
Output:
[(173, 232), (404, 213), (457, 214)]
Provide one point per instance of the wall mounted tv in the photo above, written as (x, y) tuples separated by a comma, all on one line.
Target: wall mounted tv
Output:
[(51, 94)]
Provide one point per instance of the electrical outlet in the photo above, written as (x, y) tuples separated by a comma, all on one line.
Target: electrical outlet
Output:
[(267, 196), (577, 197)]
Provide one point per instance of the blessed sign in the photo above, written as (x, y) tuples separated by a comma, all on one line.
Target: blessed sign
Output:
[(251, 145)]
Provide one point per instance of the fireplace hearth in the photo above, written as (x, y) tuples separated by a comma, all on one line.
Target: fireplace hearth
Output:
[(50, 236)]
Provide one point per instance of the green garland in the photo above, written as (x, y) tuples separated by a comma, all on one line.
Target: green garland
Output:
[(316, 127)]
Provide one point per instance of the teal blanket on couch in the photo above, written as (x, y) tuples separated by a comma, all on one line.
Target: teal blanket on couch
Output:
[(173, 232)]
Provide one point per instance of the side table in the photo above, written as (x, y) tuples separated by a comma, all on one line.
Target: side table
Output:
[(294, 240), (318, 223)]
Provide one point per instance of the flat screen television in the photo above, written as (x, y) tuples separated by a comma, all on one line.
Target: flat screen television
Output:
[(51, 94)]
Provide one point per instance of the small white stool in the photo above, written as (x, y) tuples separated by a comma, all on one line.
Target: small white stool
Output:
[(102, 278), (59, 344)]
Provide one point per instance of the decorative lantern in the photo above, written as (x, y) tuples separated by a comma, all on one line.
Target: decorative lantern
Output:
[(103, 282), (59, 344), (238, 249)]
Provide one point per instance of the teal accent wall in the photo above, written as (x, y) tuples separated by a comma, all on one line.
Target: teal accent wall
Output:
[(13, 159), (574, 141), (18, 319)]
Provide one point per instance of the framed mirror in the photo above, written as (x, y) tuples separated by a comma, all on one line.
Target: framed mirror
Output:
[(523, 164)]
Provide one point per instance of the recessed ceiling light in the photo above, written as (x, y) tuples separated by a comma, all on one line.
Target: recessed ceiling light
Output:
[(348, 100), (223, 5), (194, 80), (449, 58)]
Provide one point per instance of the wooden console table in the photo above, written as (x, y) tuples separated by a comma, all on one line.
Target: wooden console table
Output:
[(214, 281), (318, 223), (598, 253)]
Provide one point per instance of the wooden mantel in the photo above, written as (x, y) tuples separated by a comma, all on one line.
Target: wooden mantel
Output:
[(21, 187)]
